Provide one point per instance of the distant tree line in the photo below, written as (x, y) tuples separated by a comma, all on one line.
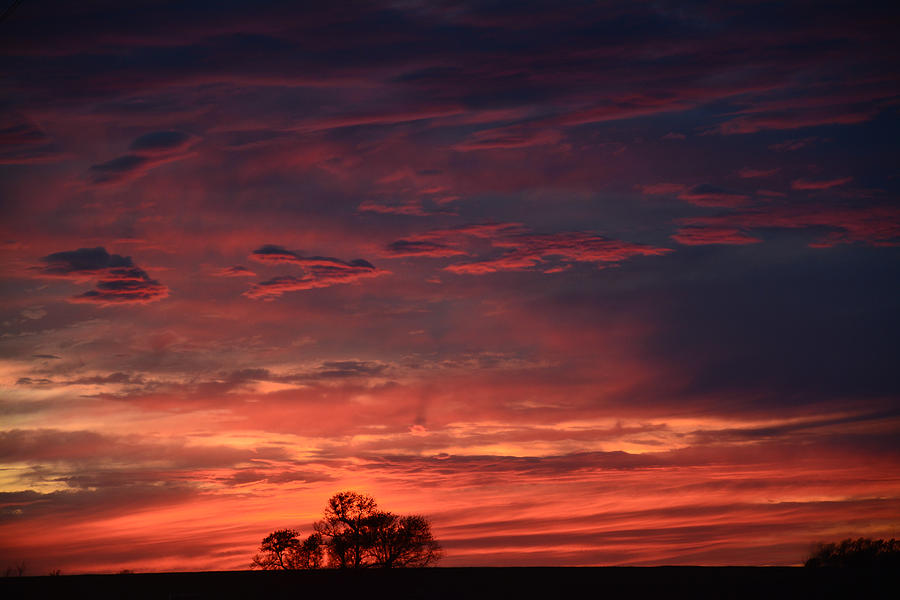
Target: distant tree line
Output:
[(861, 552), (353, 534)]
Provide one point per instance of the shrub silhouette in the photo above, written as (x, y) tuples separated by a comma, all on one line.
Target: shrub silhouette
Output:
[(861, 552), (17, 570), (353, 534)]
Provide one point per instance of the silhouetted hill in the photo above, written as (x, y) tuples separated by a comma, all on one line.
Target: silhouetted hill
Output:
[(438, 583)]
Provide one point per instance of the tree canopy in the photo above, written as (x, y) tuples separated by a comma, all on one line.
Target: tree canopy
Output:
[(861, 552), (354, 534)]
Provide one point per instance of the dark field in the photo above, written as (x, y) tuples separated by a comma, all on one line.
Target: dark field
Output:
[(494, 583)]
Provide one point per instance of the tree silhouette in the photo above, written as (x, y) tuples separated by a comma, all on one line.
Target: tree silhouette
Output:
[(310, 553), (282, 549), (353, 534), (861, 552), (346, 527), (402, 541)]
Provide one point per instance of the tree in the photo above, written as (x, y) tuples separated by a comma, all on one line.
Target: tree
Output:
[(402, 541), (353, 534), (277, 550), (861, 552), (309, 555), (345, 527)]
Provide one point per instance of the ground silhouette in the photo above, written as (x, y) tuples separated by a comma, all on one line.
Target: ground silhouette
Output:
[(453, 583)]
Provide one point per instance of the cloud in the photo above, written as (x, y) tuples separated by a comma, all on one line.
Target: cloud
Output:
[(318, 272), (795, 119), (83, 262), (873, 225), (440, 243), (276, 254), (118, 279), (523, 250), (412, 207), (349, 368), (116, 378), (709, 195), (806, 184), (43, 381), (271, 253), (508, 137), (422, 248), (161, 142), (147, 152), (276, 286), (654, 189), (77, 446), (126, 168), (234, 271), (22, 142), (747, 172), (704, 194), (34, 313), (407, 191), (123, 286), (527, 251), (700, 236), (792, 145)]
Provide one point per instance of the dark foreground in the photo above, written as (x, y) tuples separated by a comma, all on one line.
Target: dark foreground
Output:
[(659, 583)]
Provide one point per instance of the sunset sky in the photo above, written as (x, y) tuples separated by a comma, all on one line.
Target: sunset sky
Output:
[(586, 283)]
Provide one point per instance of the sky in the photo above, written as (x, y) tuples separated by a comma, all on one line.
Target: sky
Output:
[(586, 283)]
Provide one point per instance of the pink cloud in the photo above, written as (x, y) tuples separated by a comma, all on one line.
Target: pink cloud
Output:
[(700, 236), (793, 120), (22, 142), (410, 207), (526, 251), (877, 225), (411, 247), (318, 272), (708, 195), (792, 145), (440, 243), (806, 184), (654, 189), (702, 194), (747, 172), (145, 153), (235, 271), (508, 137), (118, 279), (523, 250)]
